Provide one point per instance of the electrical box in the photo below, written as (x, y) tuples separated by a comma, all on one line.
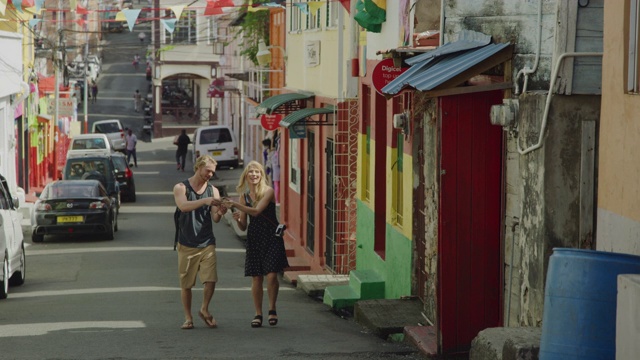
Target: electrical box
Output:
[(505, 114), (400, 121)]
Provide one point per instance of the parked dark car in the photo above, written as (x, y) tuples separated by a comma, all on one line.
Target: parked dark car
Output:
[(74, 207), (98, 167), (124, 175)]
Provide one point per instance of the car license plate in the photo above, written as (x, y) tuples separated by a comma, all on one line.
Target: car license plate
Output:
[(216, 153), (70, 219)]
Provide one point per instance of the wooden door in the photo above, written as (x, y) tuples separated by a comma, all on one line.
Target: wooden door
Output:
[(470, 269)]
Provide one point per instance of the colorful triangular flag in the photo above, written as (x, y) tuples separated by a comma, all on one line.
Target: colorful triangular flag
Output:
[(131, 15), (39, 5), (346, 4), (80, 10), (177, 9), (34, 22), (212, 9), (17, 4), (3, 6), (304, 8), (73, 4), (169, 24), (314, 6)]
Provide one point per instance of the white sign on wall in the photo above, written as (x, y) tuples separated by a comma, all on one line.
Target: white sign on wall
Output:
[(66, 106), (312, 53)]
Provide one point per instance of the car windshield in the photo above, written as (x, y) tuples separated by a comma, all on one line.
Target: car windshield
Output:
[(107, 128), (79, 168), (82, 144), (62, 190), (120, 163), (215, 136)]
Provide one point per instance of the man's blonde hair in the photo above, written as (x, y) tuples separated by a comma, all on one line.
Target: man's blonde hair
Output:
[(202, 161)]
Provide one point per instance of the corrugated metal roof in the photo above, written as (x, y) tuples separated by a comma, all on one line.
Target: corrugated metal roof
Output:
[(467, 40), (433, 71)]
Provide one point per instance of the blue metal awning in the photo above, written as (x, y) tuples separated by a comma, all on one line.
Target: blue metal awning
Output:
[(440, 67)]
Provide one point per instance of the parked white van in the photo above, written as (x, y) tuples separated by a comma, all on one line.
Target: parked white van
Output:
[(219, 142), (83, 145), (114, 131)]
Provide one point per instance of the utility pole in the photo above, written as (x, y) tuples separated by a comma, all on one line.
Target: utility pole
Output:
[(156, 127), (85, 103)]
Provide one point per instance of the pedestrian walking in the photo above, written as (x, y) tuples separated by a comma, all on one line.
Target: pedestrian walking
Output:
[(94, 92), (148, 72), (265, 254), (136, 61), (198, 205), (137, 100), (131, 142), (142, 36), (183, 142)]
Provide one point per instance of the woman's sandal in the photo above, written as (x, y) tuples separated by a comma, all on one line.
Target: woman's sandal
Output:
[(273, 321), (257, 321)]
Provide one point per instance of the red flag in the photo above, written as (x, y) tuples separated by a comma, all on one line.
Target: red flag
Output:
[(346, 4), (81, 11), (224, 3), (212, 8)]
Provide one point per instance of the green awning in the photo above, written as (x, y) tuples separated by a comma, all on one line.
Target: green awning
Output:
[(293, 101), (296, 117)]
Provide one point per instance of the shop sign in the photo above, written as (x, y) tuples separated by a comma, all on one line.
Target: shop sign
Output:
[(270, 122), (384, 73)]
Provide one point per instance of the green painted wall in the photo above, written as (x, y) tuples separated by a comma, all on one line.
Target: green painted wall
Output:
[(396, 268)]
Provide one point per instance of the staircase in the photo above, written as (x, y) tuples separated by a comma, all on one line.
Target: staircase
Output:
[(363, 285)]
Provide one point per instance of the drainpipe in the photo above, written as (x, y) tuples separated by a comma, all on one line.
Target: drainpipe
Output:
[(547, 105), (441, 41), (526, 71)]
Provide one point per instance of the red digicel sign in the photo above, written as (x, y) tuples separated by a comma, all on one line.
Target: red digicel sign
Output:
[(270, 122), (384, 73)]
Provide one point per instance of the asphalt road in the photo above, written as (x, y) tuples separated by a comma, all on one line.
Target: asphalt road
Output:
[(89, 298)]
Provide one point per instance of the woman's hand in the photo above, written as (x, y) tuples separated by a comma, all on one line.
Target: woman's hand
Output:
[(236, 216)]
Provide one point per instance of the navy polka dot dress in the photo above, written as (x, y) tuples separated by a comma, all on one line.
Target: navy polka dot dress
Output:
[(265, 251)]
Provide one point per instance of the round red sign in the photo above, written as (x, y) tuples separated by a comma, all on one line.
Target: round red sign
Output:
[(270, 122), (384, 73)]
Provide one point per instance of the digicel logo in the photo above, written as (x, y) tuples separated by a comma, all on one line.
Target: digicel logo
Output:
[(391, 68)]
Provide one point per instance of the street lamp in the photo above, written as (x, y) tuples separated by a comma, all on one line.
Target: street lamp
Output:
[(264, 55)]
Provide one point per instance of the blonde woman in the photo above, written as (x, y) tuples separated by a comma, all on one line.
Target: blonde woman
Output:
[(265, 256)]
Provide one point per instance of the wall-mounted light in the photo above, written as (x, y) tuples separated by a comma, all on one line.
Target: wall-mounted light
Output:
[(264, 54)]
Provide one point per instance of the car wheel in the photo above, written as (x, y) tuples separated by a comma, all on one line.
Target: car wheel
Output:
[(111, 230), (36, 238), (5, 278), (18, 277)]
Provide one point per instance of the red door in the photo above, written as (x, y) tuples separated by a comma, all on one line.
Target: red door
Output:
[(470, 275)]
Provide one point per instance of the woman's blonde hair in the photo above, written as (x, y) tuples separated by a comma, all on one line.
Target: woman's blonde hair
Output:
[(262, 185), (202, 161)]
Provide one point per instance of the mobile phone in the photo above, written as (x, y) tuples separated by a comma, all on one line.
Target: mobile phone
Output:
[(280, 229)]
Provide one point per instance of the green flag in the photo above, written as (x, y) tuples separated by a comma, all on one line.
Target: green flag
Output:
[(370, 14)]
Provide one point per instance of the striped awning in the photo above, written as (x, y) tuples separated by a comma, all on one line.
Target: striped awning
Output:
[(304, 116), (270, 105)]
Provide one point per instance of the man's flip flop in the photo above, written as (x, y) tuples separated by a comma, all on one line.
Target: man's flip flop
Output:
[(207, 320)]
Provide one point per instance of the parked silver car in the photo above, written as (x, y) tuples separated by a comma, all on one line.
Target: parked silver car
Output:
[(11, 241)]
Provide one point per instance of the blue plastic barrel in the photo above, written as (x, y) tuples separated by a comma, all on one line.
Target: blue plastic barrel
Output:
[(579, 319)]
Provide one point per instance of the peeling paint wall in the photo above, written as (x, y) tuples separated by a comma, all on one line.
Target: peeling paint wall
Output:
[(427, 108), (545, 185), (513, 21)]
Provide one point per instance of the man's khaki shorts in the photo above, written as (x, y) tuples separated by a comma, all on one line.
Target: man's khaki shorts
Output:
[(192, 261)]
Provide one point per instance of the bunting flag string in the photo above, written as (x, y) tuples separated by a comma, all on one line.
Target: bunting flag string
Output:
[(17, 4), (81, 11), (39, 5), (3, 6), (34, 22)]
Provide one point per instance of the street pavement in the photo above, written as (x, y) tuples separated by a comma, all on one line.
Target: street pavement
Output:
[(89, 298)]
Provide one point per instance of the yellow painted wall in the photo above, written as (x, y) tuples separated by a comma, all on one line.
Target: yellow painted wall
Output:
[(619, 168), (321, 79), (618, 215)]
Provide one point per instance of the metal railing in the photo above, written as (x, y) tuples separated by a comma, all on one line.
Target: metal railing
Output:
[(182, 115)]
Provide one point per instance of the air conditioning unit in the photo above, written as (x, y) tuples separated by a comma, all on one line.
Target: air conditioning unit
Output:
[(400, 121)]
